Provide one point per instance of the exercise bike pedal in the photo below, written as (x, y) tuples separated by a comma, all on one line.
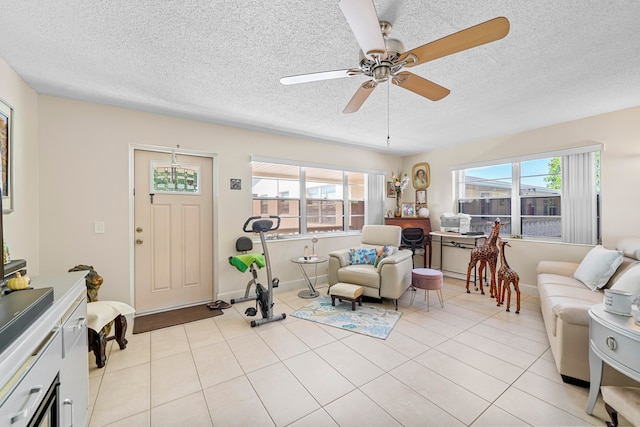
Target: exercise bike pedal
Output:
[(275, 282), (251, 311)]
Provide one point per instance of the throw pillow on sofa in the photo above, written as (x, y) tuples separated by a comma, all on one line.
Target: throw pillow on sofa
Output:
[(384, 252), (629, 281), (363, 256), (597, 267)]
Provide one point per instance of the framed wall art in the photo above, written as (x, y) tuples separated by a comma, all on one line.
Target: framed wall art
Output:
[(421, 197), (390, 189), (6, 145), (421, 176)]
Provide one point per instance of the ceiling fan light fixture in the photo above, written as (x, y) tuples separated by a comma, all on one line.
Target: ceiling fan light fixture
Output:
[(381, 73)]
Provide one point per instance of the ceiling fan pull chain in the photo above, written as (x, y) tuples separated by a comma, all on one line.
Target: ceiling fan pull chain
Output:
[(388, 84)]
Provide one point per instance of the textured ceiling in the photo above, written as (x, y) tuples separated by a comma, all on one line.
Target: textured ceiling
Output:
[(221, 60)]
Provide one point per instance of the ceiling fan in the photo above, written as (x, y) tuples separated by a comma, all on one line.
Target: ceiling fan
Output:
[(382, 58)]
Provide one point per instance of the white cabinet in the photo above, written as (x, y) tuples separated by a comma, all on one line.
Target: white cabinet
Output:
[(74, 382), (615, 340), (51, 351)]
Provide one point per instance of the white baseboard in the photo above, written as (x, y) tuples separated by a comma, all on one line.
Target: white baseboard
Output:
[(292, 285), (524, 288)]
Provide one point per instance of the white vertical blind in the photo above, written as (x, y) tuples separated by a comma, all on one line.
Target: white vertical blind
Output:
[(376, 192), (579, 210)]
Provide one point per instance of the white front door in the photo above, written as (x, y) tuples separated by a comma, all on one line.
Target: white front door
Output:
[(173, 233)]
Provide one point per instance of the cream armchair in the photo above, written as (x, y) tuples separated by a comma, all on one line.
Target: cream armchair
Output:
[(389, 279)]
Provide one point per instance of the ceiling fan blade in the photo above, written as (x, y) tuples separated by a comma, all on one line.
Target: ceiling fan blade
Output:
[(420, 85), (489, 31), (363, 20), (314, 77), (360, 96)]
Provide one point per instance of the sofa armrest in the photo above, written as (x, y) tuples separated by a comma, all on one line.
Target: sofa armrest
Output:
[(561, 268), (574, 313), (342, 256), (396, 258)]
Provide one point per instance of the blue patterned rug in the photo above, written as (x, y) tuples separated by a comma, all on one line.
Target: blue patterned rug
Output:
[(367, 320)]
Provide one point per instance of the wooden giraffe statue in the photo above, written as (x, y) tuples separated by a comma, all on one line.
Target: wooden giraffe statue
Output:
[(486, 254), (507, 276)]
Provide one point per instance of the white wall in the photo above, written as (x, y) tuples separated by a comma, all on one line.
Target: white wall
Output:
[(620, 180), (21, 225), (84, 177)]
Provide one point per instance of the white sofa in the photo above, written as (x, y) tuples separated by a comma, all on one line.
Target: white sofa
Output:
[(565, 302), (390, 278)]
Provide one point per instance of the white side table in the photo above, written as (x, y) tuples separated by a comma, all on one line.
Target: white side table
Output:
[(615, 340)]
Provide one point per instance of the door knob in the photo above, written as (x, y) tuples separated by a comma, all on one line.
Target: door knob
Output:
[(138, 241), (139, 230)]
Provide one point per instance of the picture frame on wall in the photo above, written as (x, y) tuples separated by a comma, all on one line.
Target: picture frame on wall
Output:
[(420, 176), (421, 197), (390, 190), (408, 210), (6, 146)]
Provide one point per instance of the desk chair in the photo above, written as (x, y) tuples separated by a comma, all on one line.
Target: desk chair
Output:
[(413, 238)]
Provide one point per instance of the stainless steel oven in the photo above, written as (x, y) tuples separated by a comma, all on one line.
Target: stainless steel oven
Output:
[(46, 414)]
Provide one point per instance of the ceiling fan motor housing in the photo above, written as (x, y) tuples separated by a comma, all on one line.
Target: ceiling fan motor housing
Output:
[(381, 68)]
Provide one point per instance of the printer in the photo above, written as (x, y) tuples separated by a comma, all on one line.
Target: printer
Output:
[(458, 223)]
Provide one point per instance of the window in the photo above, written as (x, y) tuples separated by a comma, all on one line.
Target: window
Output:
[(554, 197), (309, 200)]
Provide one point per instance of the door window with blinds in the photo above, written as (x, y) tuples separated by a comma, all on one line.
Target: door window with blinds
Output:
[(553, 197), (309, 200)]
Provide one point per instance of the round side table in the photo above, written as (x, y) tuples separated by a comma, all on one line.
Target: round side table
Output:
[(301, 261)]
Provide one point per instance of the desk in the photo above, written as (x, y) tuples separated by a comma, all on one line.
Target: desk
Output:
[(311, 293), (409, 222), (461, 241), (613, 339)]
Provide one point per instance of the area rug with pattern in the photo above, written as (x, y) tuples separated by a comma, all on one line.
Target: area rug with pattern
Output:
[(371, 320)]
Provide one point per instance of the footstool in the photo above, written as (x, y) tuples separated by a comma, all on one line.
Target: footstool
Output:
[(347, 292), (100, 314), (429, 280)]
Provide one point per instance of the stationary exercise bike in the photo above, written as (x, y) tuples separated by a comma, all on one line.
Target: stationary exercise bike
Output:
[(263, 297)]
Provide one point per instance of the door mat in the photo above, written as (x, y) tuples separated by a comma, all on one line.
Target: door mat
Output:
[(367, 320), (165, 319)]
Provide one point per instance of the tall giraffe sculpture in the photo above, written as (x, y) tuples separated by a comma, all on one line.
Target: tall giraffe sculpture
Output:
[(486, 254), (507, 276)]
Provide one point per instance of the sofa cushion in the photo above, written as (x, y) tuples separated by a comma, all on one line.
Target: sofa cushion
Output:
[(629, 281), (568, 299), (597, 267), (363, 275), (546, 279), (562, 268)]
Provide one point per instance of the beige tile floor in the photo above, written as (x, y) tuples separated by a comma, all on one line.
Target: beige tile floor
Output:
[(469, 363)]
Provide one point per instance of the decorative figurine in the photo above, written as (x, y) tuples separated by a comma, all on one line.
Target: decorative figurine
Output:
[(507, 276), (486, 254)]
